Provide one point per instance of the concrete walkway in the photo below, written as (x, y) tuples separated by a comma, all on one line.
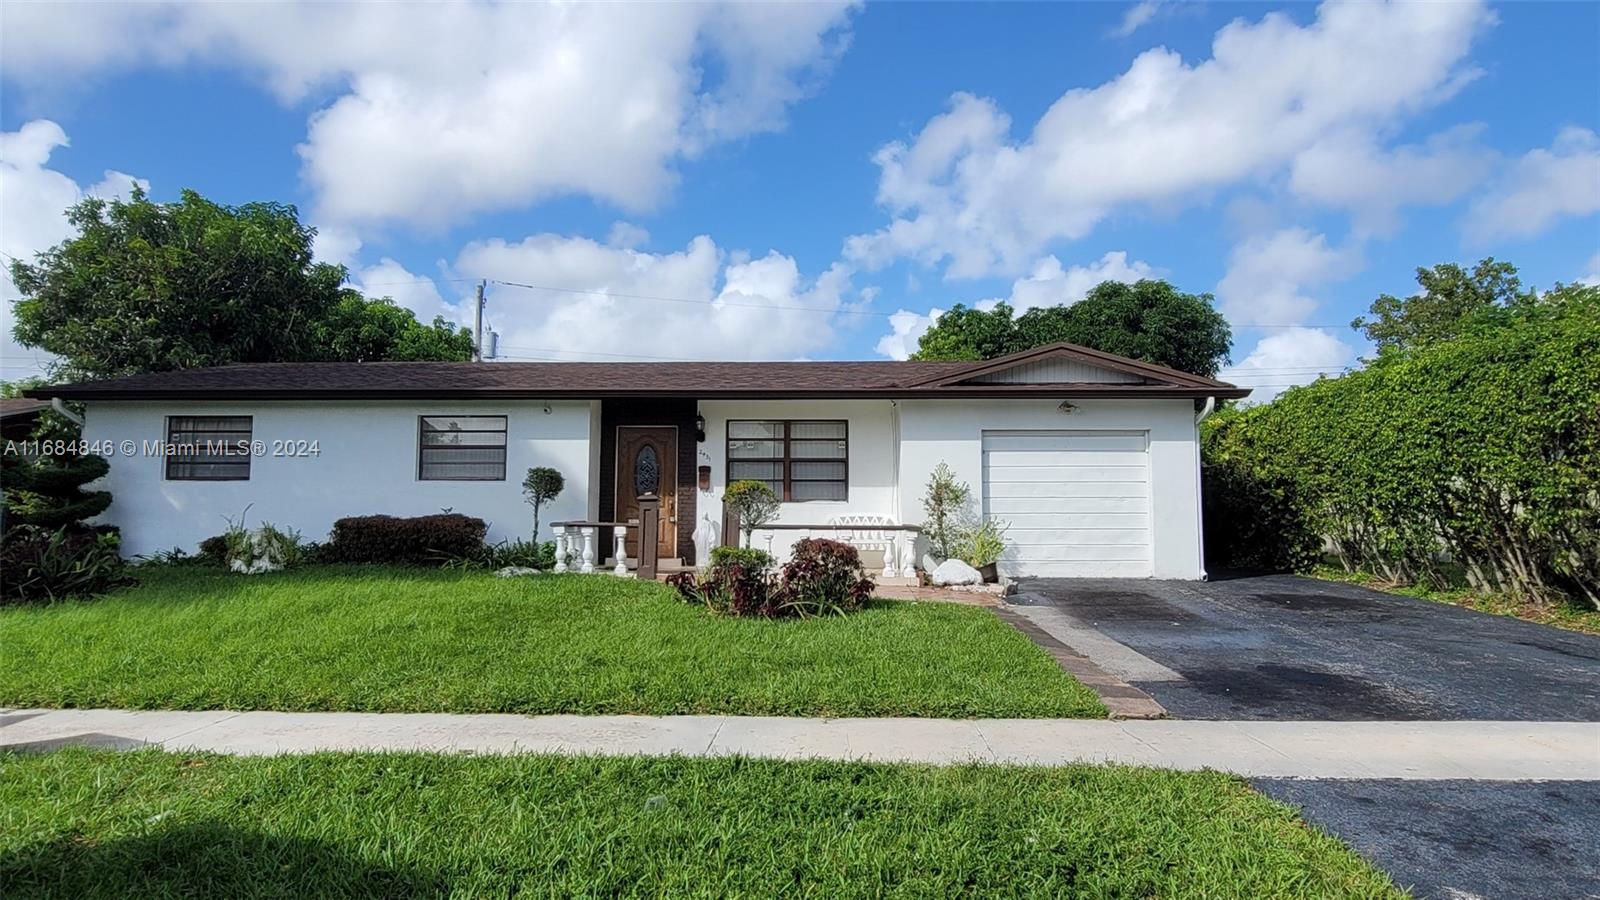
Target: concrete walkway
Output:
[(1556, 751)]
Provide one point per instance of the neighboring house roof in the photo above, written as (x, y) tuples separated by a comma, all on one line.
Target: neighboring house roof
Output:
[(22, 408), (449, 380)]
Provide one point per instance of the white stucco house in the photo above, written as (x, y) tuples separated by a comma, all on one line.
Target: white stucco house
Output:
[(1091, 459)]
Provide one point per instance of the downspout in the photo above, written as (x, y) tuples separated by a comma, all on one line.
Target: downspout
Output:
[(1199, 487), (894, 459), (60, 407)]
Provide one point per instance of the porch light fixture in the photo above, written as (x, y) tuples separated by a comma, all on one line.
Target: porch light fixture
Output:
[(1066, 408), (699, 428)]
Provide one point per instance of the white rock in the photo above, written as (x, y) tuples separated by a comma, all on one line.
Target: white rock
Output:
[(954, 571), (515, 572)]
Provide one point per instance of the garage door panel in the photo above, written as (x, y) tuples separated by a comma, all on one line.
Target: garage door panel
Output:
[(1082, 553), (1103, 568), (1053, 474), (1013, 508), (1066, 489), (1022, 522), (1076, 503), (1012, 460), (1058, 440)]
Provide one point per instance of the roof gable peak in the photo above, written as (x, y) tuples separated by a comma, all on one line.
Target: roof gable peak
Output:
[(1065, 362)]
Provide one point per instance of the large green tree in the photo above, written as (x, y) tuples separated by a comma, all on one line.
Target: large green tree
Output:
[(147, 287), (1149, 320), (1451, 297)]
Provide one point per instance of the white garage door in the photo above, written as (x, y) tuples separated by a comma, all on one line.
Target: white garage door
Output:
[(1078, 502)]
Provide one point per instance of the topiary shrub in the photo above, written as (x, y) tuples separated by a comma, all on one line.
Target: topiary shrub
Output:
[(40, 565), (754, 501), (414, 540)]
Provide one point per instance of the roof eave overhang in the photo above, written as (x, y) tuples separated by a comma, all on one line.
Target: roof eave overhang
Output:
[(1109, 392)]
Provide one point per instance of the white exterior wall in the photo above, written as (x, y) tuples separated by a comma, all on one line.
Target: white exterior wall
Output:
[(367, 465), (934, 431), (871, 463)]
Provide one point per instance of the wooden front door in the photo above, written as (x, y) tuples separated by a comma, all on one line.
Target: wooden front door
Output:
[(647, 463)]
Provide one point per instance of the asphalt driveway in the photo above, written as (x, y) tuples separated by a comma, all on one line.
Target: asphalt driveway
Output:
[(1284, 647)]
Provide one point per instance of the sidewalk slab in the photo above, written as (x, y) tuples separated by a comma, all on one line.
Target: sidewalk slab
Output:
[(1511, 751)]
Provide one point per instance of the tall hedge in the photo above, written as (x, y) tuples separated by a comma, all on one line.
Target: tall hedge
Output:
[(1481, 452)]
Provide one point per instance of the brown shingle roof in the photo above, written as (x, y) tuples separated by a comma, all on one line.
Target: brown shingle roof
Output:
[(442, 380)]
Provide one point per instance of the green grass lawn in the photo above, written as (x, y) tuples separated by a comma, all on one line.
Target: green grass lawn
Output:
[(382, 639), (81, 823), (1568, 616)]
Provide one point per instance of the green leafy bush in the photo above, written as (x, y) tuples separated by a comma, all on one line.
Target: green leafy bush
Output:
[(214, 550), (984, 543), (755, 502), (518, 553), (44, 565), (414, 540), (749, 557), (48, 491), (1479, 452), (945, 502)]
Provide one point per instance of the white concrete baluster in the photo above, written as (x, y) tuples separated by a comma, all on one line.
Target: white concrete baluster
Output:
[(888, 554), (588, 551), (622, 552), (908, 558), (770, 536), (561, 548)]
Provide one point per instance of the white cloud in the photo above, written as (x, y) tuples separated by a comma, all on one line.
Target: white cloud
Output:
[(906, 329), (1541, 188), (336, 244), (713, 304), (33, 204), (1164, 132), (1350, 170), (1137, 16), (1049, 284), (1591, 274), (418, 293), (1292, 357), (444, 110), (1268, 275)]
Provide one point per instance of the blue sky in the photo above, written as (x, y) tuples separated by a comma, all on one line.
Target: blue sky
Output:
[(819, 181)]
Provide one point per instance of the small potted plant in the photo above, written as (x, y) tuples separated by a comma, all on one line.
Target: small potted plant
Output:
[(983, 547)]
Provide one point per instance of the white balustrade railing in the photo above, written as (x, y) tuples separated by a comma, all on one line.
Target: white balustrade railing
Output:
[(576, 544), (896, 542)]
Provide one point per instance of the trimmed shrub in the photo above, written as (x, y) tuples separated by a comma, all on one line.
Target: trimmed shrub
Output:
[(414, 540), (1475, 457), (822, 578), (214, 550), (749, 557), (40, 565), (1255, 522)]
